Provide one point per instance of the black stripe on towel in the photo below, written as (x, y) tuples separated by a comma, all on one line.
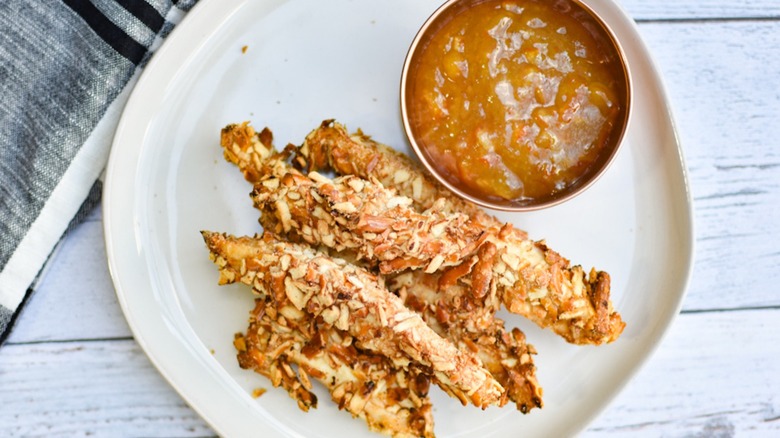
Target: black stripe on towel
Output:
[(145, 12), (108, 31)]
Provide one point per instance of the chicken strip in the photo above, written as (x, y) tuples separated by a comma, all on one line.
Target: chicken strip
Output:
[(391, 401), (533, 280), (471, 324), (337, 294), (255, 156), (548, 291), (332, 147), (356, 215), (350, 213), (253, 152)]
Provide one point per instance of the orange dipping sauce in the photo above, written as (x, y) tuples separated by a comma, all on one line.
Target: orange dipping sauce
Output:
[(515, 100)]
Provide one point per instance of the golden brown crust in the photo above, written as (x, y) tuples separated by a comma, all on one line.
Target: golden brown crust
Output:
[(491, 342), (382, 229), (451, 263), (533, 280), (332, 147), (337, 294), (391, 401), (469, 321), (350, 213), (253, 152), (536, 282)]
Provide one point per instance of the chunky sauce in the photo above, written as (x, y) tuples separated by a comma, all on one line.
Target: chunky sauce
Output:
[(513, 100)]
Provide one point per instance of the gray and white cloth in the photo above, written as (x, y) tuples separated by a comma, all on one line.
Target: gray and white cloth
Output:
[(66, 69)]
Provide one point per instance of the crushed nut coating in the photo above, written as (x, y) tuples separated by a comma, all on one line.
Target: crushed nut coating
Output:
[(331, 147), (470, 322), (357, 215), (338, 294), (380, 280), (532, 280), (390, 400), (253, 152)]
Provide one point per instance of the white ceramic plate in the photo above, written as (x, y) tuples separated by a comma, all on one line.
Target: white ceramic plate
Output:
[(307, 60)]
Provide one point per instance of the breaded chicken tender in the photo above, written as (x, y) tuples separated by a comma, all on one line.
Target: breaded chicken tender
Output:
[(350, 213), (470, 323), (337, 294), (284, 345), (533, 280)]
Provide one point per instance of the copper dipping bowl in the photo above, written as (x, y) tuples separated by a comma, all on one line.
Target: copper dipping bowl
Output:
[(610, 45)]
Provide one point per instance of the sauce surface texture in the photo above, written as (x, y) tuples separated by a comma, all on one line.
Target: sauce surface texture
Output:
[(513, 100)]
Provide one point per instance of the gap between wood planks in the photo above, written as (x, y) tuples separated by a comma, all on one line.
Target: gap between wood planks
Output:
[(706, 19), (130, 338), (728, 309), (70, 341)]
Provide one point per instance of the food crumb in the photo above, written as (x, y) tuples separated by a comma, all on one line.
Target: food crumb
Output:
[(257, 392), (244, 49)]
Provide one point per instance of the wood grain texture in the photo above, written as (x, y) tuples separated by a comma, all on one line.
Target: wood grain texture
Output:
[(104, 388), (701, 10), (715, 375), (721, 79), (71, 368), (75, 298)]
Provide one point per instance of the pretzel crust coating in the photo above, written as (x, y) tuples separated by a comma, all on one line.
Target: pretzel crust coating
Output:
[(470, 323), (253, 152), (350, 213), (338, 294), (391, 401), (332, 147), (533, 280), (367, 210)]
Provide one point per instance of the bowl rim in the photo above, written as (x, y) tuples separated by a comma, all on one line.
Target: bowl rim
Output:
[(509, 205)]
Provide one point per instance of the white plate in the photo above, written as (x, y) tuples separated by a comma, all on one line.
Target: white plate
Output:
[(307, 60)]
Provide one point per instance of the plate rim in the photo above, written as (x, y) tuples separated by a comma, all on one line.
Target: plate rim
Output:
[(213, 12)]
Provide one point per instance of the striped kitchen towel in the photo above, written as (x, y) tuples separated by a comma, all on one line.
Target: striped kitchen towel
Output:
[(66, 69)]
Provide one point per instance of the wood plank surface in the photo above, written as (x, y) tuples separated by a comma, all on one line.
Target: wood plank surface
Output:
[(727, 113), (689, 388), (644, 10), (715, 375), (721, 79), (75, 298), (71, 368), (100, 388)]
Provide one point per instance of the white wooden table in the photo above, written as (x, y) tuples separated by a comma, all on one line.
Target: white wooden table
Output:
[(72, 368)]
